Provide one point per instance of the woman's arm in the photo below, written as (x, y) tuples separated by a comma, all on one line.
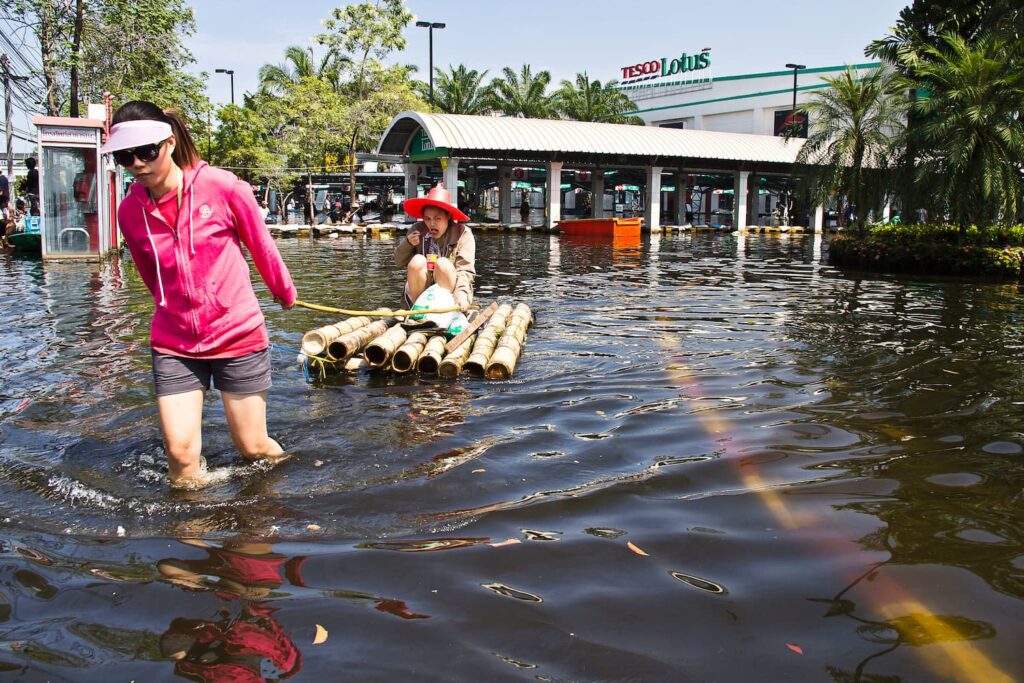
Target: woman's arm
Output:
[(406, 247), (465, 268), (256, 238)]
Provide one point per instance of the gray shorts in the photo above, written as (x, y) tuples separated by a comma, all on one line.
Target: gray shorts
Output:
[(246, 374)]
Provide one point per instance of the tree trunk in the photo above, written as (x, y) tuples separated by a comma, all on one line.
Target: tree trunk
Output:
[(47, 29), (76, 45)]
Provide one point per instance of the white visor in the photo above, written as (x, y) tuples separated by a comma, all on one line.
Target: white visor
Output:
[(132, 134)]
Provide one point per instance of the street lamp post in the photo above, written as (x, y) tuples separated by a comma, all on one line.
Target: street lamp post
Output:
[(231, 73), (796, 69), (430, 26)]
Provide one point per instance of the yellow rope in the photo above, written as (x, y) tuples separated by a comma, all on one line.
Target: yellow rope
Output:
[(378, 314)]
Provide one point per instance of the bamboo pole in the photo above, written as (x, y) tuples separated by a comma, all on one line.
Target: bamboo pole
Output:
[(315, 342), (350, 344), (503, 361), (379, 351), (452, 364), (408, 353), (487, 340), (430, 359)]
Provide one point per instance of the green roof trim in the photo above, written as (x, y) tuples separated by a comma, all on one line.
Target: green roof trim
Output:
[(816, 86), (789, 72), (867, 65)]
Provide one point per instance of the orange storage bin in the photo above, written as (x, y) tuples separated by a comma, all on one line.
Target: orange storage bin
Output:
[(611, 227)]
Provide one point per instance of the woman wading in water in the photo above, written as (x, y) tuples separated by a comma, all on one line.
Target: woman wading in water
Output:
[(184, 223)]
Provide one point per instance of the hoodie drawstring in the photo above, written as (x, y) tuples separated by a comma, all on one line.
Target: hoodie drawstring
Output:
[(191, 209), (156, 257)]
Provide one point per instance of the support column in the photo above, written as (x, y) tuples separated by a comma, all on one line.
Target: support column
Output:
[(817, 222), (554, 194), (505, 195), (597, 193), (451, 179), (753, 200), (411, 178), (741, 181), (681, 188), (652, 210)]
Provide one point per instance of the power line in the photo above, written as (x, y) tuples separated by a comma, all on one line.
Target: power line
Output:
[(24, 58)]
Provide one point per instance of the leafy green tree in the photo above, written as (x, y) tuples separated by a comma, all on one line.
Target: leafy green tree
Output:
[(589, 100), (523, 94), (307, 125), (971, 125), (301, 63), (367, 33), (132, 48), (457, 91), (925, 22), (135, 49), (855, 123), (52, 23)]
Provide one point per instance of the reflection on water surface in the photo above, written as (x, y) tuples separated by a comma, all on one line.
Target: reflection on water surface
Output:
[(720, 459)]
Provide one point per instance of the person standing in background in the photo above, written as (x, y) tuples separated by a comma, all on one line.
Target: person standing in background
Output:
[(32, 186)]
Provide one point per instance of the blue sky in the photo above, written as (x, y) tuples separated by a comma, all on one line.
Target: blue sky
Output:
[(562, 36)]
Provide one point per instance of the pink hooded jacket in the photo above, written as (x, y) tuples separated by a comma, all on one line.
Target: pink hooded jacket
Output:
[(196, 271)]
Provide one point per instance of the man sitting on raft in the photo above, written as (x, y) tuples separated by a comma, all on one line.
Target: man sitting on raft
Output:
[(438, 249)]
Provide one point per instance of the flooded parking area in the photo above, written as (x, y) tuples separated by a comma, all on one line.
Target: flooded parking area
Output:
[(719, 459)]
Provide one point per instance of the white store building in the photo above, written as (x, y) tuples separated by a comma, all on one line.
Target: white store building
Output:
[(684, 92)]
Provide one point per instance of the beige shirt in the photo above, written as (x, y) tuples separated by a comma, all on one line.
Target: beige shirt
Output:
[(456, 244)]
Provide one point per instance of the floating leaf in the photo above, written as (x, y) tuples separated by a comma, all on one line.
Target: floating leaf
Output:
[(635, 549), (599, 412), (795, 648), (321, 635), (510, 541)]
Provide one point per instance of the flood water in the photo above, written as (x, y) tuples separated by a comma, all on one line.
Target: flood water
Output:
[(720, 459)]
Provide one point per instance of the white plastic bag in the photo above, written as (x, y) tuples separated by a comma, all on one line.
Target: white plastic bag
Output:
[(435, 296)]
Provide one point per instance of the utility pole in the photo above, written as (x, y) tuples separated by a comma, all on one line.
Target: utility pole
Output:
[(6, 63)]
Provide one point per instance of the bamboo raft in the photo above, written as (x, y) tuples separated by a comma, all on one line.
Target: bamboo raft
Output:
[(490, 346)]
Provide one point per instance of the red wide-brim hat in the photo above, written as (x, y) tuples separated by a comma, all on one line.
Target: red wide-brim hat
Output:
[(439, 197)]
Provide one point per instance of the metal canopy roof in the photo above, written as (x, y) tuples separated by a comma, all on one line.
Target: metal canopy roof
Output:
[(587, 144)]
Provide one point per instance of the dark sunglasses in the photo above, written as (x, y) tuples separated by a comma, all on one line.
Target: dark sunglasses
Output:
[(145, 153)]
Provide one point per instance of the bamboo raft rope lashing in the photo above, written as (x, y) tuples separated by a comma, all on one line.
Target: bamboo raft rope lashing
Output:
[(503, 361), (452, 364), (314, 342), (379, 352), (430, 359), (487, 340), (404, 359), (348, 345)]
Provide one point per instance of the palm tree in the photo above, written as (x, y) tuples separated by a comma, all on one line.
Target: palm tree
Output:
[(275, 79), (588, 100), (971, 126), (855, 123), (457, 91), (523, 94)]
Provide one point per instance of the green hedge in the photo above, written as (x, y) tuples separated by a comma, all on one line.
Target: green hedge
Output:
[(934, 249)]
